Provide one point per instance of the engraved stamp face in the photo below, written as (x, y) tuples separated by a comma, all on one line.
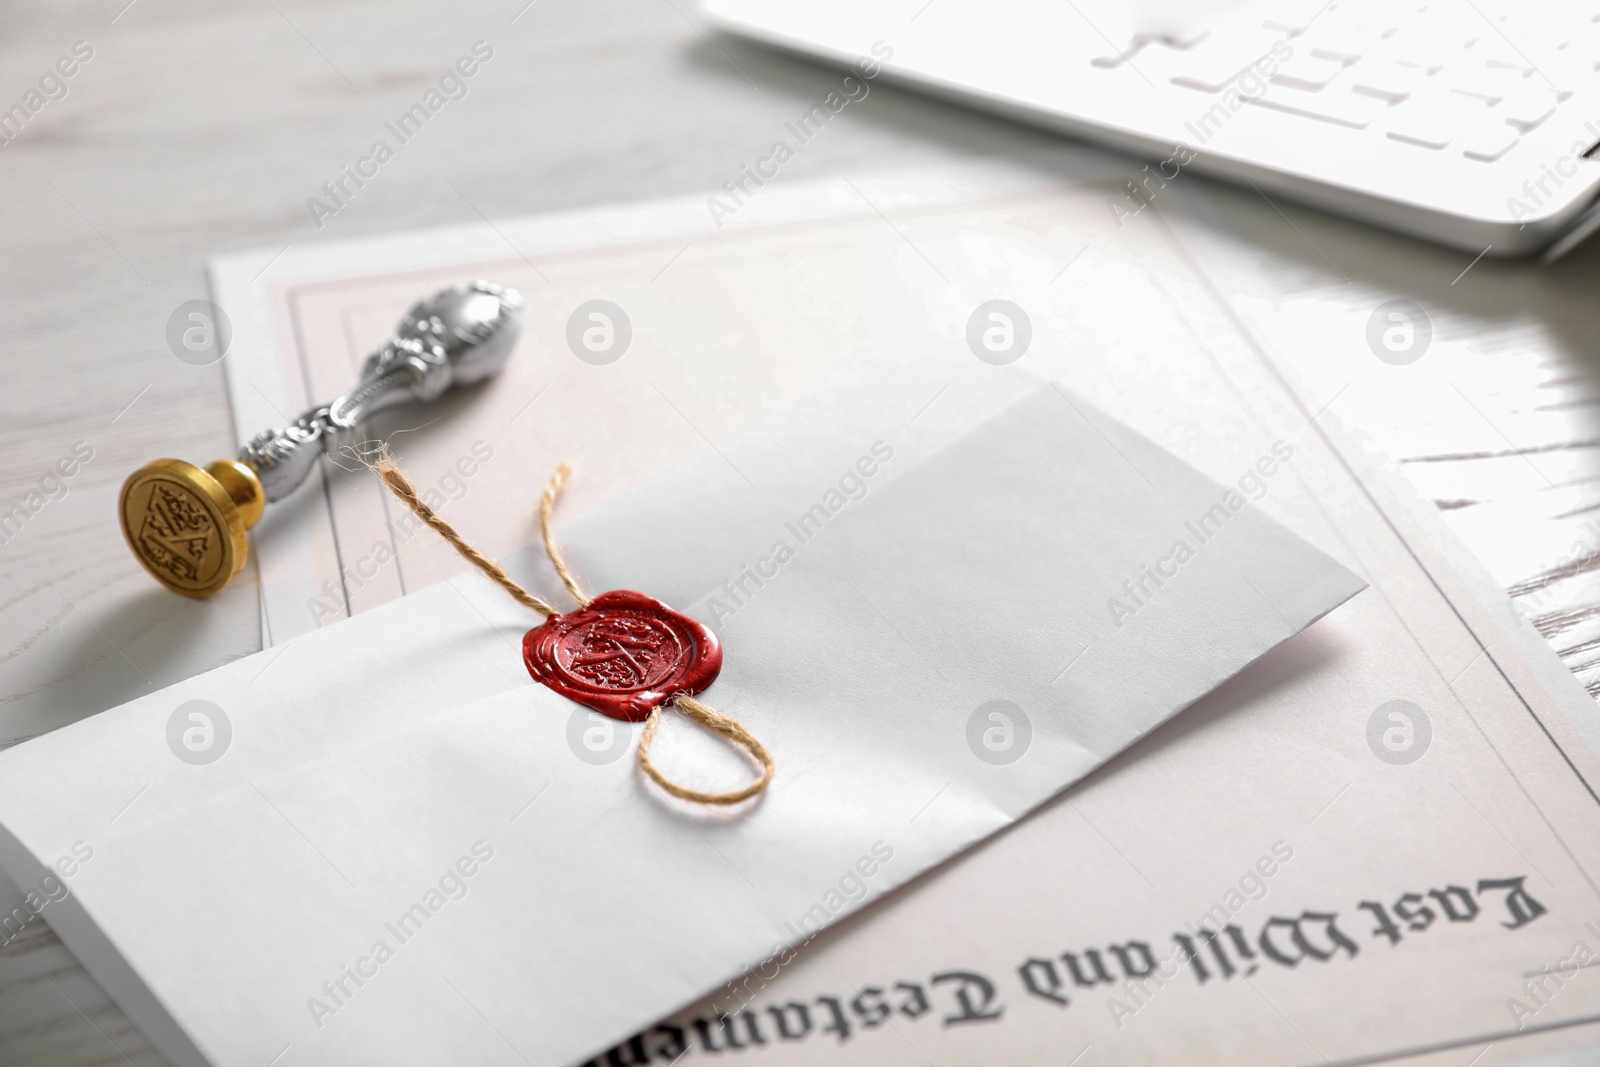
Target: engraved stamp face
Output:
[(178, 531), (623, 655), (174, 534)]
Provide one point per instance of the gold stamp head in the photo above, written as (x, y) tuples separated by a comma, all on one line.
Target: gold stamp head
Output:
[(187, 525)]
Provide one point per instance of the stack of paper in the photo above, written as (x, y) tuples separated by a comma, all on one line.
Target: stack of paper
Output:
[(947, 590)]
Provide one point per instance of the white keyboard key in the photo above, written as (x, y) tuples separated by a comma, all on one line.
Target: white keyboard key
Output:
[(1527, 109), (1435, 118), (1455, 26), (1490, 84), (1572, 66), (1492, 48), (1420, 46), (1337, 36), (1387, 81), (1287, 27), (1214, 63), (1488, 143), (1114, 59), (1336, 106), (1294, 17), (1345, 50), (1180, 42), (1309, 72)]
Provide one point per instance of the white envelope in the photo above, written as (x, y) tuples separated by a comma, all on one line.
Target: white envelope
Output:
[(409, 853)]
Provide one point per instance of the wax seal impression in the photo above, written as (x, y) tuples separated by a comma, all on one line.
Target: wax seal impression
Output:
[(623, 655)]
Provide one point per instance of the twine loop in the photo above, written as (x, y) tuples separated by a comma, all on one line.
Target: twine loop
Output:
[(728, 728)]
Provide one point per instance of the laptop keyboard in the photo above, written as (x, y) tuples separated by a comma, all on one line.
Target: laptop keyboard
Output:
[(1440, 77)]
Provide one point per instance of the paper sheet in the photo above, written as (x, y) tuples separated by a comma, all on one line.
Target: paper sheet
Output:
[(1417, 740), (1378, 788), (724, 326), (368, 761), (1258, 816)]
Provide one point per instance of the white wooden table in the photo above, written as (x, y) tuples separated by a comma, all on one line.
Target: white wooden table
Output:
[(196, 128)]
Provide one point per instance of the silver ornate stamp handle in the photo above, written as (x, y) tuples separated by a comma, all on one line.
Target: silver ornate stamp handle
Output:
[(455, 337), (187, 525)]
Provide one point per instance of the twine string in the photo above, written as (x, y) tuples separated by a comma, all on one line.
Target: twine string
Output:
[(547, 507), (393, 477), (729, 728), (714, 720)]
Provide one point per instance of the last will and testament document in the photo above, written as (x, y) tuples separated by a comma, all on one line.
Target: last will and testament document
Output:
[(1378, 844)]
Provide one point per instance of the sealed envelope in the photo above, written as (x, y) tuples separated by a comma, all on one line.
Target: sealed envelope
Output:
[(944, 593)]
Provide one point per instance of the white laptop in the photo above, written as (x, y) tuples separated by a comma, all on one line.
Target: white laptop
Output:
[(1475, 123)]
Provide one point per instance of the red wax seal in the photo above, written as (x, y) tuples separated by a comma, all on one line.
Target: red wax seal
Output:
[(623, 655)]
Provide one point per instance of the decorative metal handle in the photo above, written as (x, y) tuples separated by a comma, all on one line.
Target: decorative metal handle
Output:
[(455, 337), (187, 525)]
